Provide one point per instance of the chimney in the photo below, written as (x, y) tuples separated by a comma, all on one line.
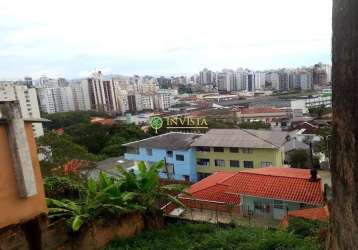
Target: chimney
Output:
[(313, 177)]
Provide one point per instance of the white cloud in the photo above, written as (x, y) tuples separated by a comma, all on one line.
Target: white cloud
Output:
[(192, 32)]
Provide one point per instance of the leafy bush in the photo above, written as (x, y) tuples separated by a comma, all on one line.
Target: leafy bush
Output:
[(62, 187), (110, 196), (211, 236), (103, 197), (306, 228)]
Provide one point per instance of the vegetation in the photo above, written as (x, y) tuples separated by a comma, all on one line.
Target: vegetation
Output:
[(309, 230), (82, 140), (299, 158), (211, 236), (254, 125), (65, 119), (109, 196), (63, 187), (306, 228), (319, 111), (57, 150)]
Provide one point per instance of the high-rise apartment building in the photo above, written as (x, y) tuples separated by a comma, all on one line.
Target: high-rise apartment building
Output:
[(28, 102), (321, 74), (102, 94), (206, 77), (284, 80)]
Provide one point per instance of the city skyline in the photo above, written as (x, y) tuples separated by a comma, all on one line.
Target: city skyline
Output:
[(137, 37)]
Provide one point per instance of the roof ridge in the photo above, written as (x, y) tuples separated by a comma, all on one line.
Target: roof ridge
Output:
[(245, 130), (274, 175)]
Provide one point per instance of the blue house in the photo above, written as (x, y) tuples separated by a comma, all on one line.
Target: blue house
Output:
[(173, 148)]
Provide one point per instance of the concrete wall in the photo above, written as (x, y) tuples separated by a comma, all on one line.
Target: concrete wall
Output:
[(56, 236), (274, 156), (186, 167), (248, 203), (14, 209)]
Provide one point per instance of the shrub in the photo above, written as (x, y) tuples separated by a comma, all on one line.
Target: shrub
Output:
[(211, 236), (62, 187)]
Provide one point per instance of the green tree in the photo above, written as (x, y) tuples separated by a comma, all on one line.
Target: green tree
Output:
[(59, 149), (298, 158), (92, 136), (65, 119)]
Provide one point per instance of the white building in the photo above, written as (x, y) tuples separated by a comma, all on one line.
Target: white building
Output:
[(80, 94), (259, 80), (102, 94), (28, 102)]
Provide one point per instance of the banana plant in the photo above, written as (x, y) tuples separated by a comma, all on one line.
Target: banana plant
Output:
[(146, 185), (102, 197)]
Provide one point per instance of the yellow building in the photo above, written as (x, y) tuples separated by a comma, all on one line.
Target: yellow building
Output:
[(237, 149)]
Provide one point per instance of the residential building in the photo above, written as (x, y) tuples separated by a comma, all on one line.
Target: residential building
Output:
[(321, 74), (284, 80), (27, 99), (22, 198), (272, 79), (259, 80), (173, 148), (306, 132), (206, 77), (237, 149), (268, 193), (80, 94), (58, 99), (102, 94), (269, 115)]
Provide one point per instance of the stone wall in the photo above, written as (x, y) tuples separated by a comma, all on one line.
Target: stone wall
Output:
[(39, 234)]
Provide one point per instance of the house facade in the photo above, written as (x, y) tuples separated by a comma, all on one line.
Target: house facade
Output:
[(238, 149), (268, 193), (173, 148)]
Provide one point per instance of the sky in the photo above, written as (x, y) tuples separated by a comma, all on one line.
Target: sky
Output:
[(72, 38)]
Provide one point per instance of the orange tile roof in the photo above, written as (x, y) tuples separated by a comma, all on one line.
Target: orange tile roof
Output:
[(212, 180), (272, 183), (101, 121), (318, 213)]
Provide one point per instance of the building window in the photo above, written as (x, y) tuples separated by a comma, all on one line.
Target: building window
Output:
[(186, 177), (266, 164), (170, 154), (247, 150), (203, 149), (258, 205), (248, 164), (219, 163), (218, 149), (203, 162), (234, 164), (149, 151), (179, 157), (133, 151), (234, 150), (278, 204)]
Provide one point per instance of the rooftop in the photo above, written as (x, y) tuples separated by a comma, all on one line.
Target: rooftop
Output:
[(171, 141), (247, 138), (288, 184), (319, 213)]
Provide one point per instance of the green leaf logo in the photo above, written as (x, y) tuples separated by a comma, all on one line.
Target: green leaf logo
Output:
[(156, 123)]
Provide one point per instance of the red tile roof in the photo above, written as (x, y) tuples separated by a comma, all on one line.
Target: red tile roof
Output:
[(214, 189), (287, 184), (319, 213)]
